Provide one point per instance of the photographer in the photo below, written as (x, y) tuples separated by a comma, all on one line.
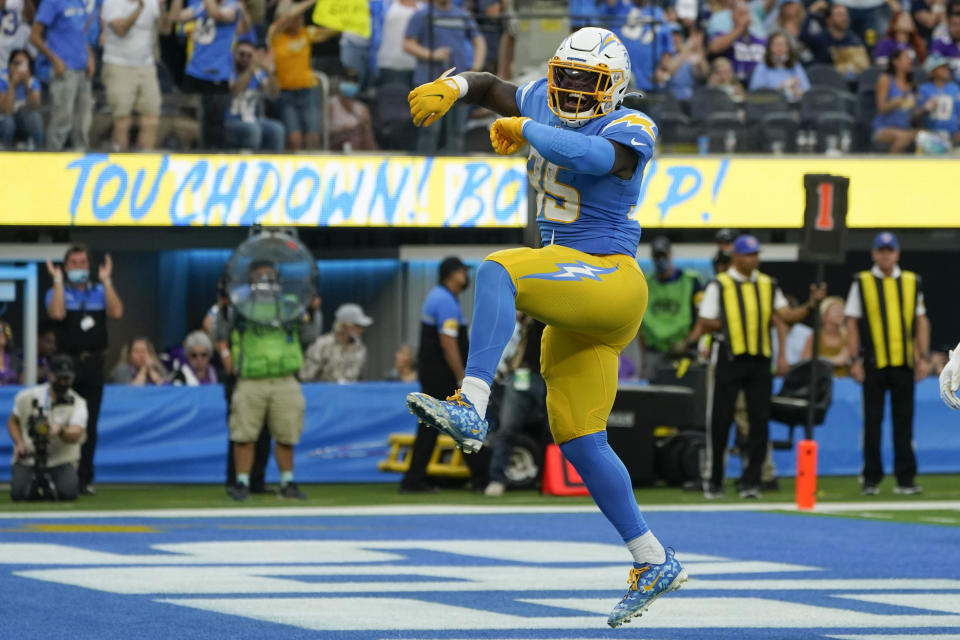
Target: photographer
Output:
[(48, 426)]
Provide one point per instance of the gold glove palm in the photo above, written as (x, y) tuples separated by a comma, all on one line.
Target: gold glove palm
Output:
[(506, 135)]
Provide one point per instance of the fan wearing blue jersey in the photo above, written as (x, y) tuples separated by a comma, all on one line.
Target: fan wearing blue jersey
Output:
[(216, 24), (586, 162)]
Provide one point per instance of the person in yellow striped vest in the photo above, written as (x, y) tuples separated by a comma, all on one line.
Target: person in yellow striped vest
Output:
[(742, 304), (885, 307)]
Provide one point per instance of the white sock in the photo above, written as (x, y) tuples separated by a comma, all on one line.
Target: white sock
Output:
[(646, 549), (477, 392)]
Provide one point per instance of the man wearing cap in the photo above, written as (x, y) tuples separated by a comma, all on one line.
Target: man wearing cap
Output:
[(338, 356), (889, 336), (939, 98), (673, 296), (742, 303), (441, 358), (66, 414)]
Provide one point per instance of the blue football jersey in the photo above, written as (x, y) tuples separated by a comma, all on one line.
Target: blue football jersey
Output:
[(212, 57), (945, 115), (581, 211)]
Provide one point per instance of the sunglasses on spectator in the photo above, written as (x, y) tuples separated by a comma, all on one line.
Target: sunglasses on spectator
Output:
[(199, 354)]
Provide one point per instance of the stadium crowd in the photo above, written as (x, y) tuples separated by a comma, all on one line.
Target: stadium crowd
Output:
[(719, 75)]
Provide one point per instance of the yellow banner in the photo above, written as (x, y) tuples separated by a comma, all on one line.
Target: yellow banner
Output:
[(222, 190), (343, 15), (757, 193)]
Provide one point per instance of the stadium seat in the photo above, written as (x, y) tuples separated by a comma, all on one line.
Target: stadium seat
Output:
[(791, 404), (779, 127), (820, 100), (719, 126), (868, 78), (866, 110), (824, 75), (835, 125), (763, 101), (709, 101)]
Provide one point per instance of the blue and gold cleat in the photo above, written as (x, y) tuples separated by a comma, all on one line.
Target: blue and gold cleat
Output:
[(647, 583), (455, 417)]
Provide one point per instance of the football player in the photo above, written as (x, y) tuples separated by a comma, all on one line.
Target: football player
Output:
[(586, 162)]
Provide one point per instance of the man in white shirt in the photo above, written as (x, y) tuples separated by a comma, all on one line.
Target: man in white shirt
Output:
[(129, 71), (57, 410), (394, 65), (741, 304)]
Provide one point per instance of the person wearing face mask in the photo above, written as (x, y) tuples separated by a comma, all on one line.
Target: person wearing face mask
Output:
[(351, 128), (338, 356), (79, 310), (65, 412), (672, 308)]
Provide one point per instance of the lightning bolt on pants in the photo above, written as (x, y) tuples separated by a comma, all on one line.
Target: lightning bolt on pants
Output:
[(592, 306)]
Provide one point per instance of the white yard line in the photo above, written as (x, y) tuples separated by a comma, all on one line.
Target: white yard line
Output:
[(419, 510)]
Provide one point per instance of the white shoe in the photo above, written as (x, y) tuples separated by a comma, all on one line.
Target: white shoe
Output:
[(494, 489)]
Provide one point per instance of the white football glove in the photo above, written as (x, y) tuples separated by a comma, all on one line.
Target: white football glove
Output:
[(950, 380)]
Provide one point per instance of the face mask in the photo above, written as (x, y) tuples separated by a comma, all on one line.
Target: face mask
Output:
[(60, 387), (349, 89), (77, 276), (662, 265)]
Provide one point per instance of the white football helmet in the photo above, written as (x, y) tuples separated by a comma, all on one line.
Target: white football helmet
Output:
[(588, 76)]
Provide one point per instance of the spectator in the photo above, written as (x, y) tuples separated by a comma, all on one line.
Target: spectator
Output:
[(60, 34), (723, 21), (869, 18), (9, 363), (895, 101), (197, 370), (833, 337), (66, 413), (20, 102), (16, 16), (743, 46), (948, 43), (338, 356), (129, 70), (252, 79), (939, 98), (780, 70), (351, 128), (671, 309), (79, 310), (265, 359), (689, 67), (404, 365), (524, 399), (46, 347), (641, 28), (827, 34), (452, 33), (722, 77), (139, 365), (394, 65), (901, 34), (215, 24), (928, 16), (291, 42)]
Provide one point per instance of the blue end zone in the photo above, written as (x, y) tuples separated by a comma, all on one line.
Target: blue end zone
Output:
[(556, 575)]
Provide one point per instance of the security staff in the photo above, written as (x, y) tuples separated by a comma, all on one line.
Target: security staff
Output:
[(79, 309), (885, 305), (742, 303), (441, 358), (673, 296)]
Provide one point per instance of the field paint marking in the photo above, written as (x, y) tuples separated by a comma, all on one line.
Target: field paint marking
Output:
[(942, 602), (439, 509), (912, 636), (693, 613)]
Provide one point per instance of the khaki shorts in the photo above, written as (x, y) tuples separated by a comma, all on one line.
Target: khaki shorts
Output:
[(132, 89), (278, 401)]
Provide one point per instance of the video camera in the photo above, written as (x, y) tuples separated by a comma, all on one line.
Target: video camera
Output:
[(42, 486)]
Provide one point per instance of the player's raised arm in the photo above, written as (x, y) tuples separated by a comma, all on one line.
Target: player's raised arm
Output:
[(429, 102)]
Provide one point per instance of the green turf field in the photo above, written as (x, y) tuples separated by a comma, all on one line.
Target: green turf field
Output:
[(831, 489)]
